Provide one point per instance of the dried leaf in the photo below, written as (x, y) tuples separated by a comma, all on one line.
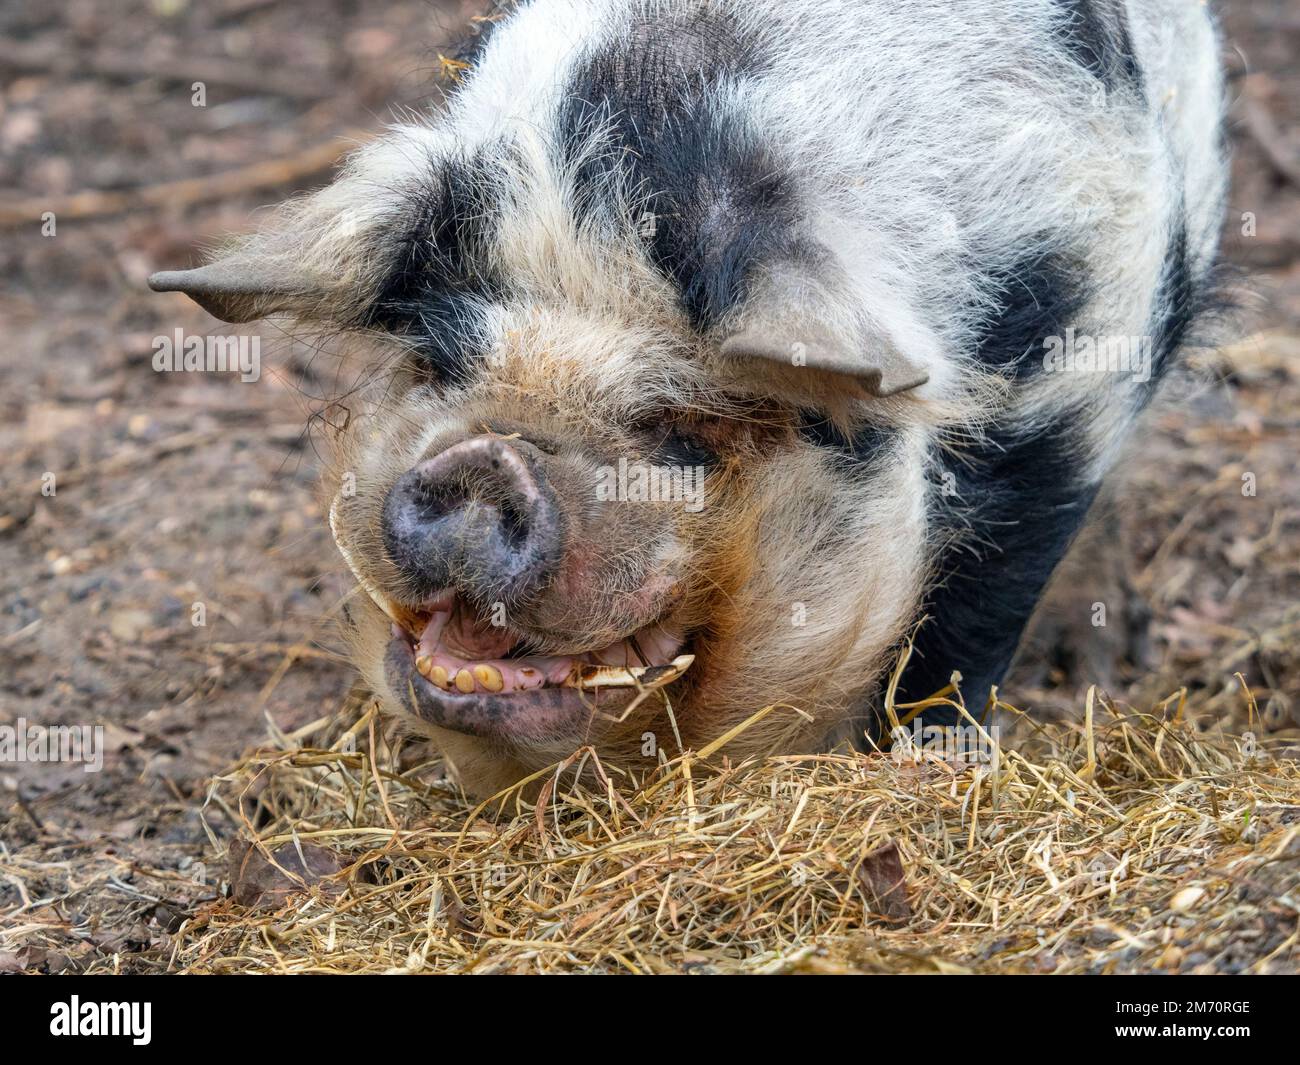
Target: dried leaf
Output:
[(884, 884), (257, 881)]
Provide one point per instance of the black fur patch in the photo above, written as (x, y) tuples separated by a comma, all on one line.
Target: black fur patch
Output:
[(1033, 298), (1180, 301), (437, 287), (1017, 501), (713, 199), (1096, 35), (869, 444)]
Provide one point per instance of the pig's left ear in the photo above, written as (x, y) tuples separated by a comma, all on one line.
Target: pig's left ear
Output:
[(793, 317), (241, 288)]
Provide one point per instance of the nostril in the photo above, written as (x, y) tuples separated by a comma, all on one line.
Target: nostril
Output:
[(514, 525)]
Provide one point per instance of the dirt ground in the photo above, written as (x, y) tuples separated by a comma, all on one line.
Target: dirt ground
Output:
[(177, 489)]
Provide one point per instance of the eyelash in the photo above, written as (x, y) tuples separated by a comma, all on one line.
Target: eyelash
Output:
[(677, 443)]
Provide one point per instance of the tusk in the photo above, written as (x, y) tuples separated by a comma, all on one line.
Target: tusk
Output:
[(644, 677), (403, 620)]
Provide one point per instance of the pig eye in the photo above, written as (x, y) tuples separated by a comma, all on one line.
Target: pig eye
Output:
[(677, 445)]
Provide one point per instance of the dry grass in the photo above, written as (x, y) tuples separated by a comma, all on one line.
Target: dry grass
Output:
[(1125, 843)]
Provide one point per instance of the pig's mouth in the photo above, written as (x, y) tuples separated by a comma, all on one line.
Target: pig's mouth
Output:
[(454, 669), (455, 651)]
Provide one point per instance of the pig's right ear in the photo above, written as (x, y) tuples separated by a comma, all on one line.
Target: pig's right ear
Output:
[(798, 317), (241, 288)]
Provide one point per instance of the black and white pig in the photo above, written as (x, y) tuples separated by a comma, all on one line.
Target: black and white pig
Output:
[(893, 278)]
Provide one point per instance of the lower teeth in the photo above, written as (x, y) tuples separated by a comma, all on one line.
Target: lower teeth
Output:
[(583, 677)]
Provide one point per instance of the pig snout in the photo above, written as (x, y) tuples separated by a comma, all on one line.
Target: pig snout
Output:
[(479, 515)]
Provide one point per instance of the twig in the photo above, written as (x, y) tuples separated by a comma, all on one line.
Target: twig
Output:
[(174, 194), (246, 78), (1261, 127)]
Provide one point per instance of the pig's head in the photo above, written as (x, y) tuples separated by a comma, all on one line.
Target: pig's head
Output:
[(639, 453)]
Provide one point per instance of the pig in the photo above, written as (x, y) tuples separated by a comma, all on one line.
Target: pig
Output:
[(725, 350)]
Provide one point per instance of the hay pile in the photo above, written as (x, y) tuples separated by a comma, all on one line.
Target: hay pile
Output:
[(1127, 843)]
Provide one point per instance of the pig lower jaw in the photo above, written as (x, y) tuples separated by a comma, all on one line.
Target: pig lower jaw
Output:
[(451, 670), (537, 715)]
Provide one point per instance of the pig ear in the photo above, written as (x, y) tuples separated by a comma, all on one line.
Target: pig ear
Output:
[(879, 370), (794, 320), (241, 289)]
